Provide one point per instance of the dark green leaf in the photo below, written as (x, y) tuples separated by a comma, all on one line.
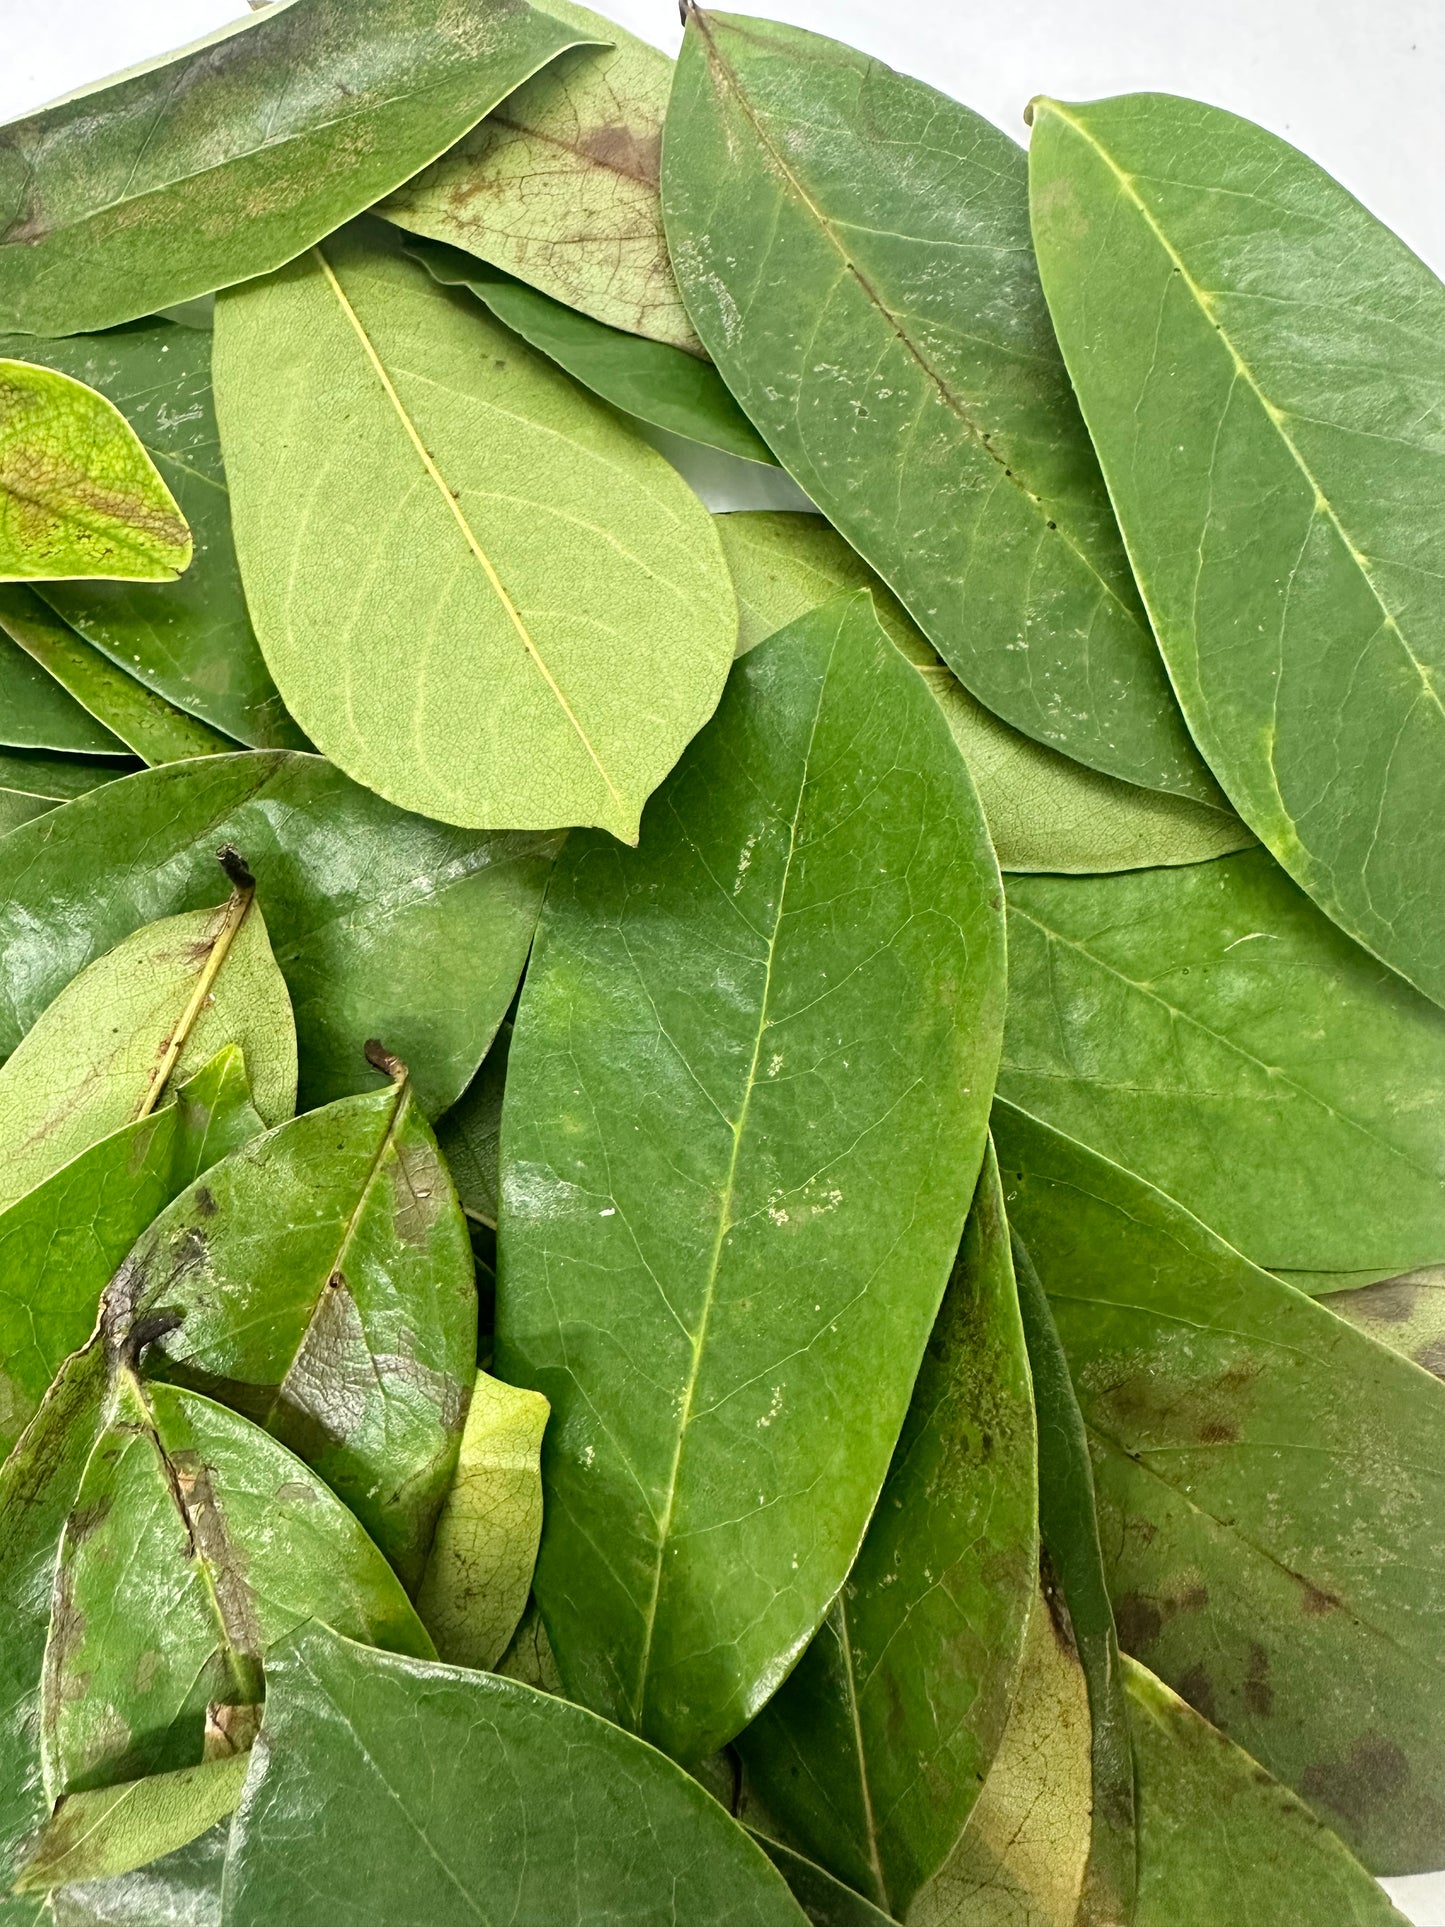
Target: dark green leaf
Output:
[(384, 925), (659, 385), (113, 1830), (1209, 1029), (235, 154), (745, 1112), (826, 1901), (61, 1243), (322, 1281), (36, 713), (31, 783), (872, 1752), (818, 209), (190, 641), (470, 1135), (1271, 1491), (1260, 363)]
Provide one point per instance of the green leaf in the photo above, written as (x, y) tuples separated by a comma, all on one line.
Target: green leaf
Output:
[(559, 184), (1044, 811), (745, 1114), (529, 1656), (321, 1282), (478, 1799), (79, 495), (1074, 1569), (818, 206), (499, 606), (236, 153), (113, 1830), (61, 1243), (32, 783), (470, 1135), (36, 713), (1221, 1842), (194, 1545), (384, 925), (1406, 1313), (182, 1889), (189, 641), (658, 385), (1253, 351), (156, 730), (1209, 1029), (826, 1901), (1271, 1491), (160, 1004), (479, 1570), (1024, 1853), (872, 1752)]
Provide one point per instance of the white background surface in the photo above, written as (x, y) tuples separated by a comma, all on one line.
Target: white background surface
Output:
[(1356, 83)]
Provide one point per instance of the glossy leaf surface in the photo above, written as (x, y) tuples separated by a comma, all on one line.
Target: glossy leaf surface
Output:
[(182, 1889), (156, 730), (239, 151), (191, 640), (470, 1764), (1044, 811), (825, 1901), (31, 783), (479, 1570), (1260, 363), (745, 1112), (1211, 1030), (195, 1544), (559, 184), (322, 1280), (35, 712), (152, 1010), (79, 496), (61, 1243), (113, 1830), (498, 606), (361, 902), (1271, 1495), (470, 1135), (818, 206), (1220, 1842), (655, 383), (873, 1750)]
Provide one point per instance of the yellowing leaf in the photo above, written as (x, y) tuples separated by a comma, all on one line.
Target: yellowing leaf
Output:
[(112, 1830)]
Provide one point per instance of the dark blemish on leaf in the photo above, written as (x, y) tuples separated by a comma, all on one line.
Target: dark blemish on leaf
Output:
[(1138, 1622), (230, 1730), (205, 1201), (1059, 1620), (235, 866), (1258, 1693), (622, 151), (1218, 1431), (1371, 1775), (1432, 1357), (337, 1281), (85, 1518), (1196, 1687), (1317, 1601), (1391, 1302)]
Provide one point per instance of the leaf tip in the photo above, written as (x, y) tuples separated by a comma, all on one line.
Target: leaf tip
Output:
[(381, 1059)]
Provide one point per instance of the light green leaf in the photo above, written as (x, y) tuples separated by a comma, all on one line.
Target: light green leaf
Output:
[(1405, 1313), (61, 1243), (1023, 1855), (182, 1889), (1209, 1029), (361, 902), (559, 184), (113, 1830), (479, 1571), (854, 251), (475, 1794), (658, 385), (157, 1006), (872, 1752), (1261, 363), (156, 730), (470, 1135), (321, 1283), (1221, 1842), (498, 605), (1044, 811), (233, 155), (195, 1544), (744, 1117), (1271, 1492), (79, 495), (36, 713), (32, 783), (190, 641)]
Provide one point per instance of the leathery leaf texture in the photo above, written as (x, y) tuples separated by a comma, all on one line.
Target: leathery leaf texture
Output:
[(745, 1113), (114, 1830), (195, 1543), (79, 495), (320, 1281), (229, 158), (1262, 367), (1271, 1499), (32, 783), (480, 592), (874, 1749), (819, 207)]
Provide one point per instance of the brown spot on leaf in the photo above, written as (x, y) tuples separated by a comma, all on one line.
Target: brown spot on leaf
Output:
[(1258, 1693), (621, 150), (1371, 1775), (1317, 1601), (1218, 1431), (1197, 1687), (229, 1730), (1432, 1356), (1138, 1621), (205, 1201)]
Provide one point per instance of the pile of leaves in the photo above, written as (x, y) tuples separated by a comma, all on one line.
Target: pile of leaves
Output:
[(711, 1219)]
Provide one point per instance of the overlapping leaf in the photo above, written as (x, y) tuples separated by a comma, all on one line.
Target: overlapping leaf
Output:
[(745, 1112), (35, 712), (498, 606), (470, 1135), (112, 1830), (1261, 365), (818, 208), (32, 783)]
